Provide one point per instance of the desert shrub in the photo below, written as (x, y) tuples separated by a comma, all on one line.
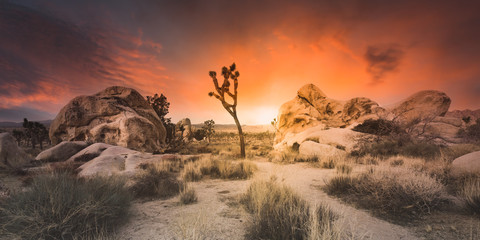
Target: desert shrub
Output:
[(188, 195), (279, 213), (344, 168), (450, 153), (156, 182), (392, 147), (302, 158), (200, 134), (391, 192), (380, 127), (60, 206), (219, 169), (471, 133), (470, 193), (328, 163), (396, 162)]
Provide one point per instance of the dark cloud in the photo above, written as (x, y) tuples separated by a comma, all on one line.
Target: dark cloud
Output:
[(382, 59)]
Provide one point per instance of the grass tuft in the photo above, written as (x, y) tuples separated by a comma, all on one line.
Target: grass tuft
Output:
[(470, 193), (188, 195), (223, 169), (60, 206), (156, 181)]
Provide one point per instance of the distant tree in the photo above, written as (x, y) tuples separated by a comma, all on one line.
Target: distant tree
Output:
[(221, 90), (208, 127), (18, 135), (35, 132), (160, 105)]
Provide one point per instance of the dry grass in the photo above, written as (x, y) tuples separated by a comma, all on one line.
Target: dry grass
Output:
[(60, 206), (279, 213), (392, 192), (470, 193), (344, 168), (216, 168), (156, 181), (188, 195)]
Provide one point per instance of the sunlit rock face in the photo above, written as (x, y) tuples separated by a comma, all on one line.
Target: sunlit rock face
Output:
[(311, 114), (116, 115), (183, 129), (312, 108)]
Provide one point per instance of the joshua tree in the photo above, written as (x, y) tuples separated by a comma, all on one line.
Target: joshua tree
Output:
[(221, 90), (208, 127), (35, 132)]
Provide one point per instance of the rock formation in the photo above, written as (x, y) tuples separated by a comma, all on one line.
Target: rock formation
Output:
[(116, 115), (11, 156), (312, 115), (183, 129)]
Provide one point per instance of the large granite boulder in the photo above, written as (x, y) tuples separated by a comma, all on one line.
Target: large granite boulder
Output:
[(11, 156), (466, 164), (61, 152), (116, 115), (89, 152)]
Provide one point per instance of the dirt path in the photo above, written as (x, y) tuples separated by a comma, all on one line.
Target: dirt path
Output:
[(218, 216)]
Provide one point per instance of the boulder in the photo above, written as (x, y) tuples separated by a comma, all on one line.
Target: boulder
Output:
[(61, 152), (89, 152), (466, 164), (117, 160), (117, 115), (183, 128), (423, 105), (310, 149), (11, 156)]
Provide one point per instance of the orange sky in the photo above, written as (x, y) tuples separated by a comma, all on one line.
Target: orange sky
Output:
[(54, 51)]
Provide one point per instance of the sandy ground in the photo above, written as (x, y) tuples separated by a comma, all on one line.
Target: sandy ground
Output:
[(217, 214)]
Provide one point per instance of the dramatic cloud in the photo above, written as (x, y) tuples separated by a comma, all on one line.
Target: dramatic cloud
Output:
[(54, 50), (383, 59)]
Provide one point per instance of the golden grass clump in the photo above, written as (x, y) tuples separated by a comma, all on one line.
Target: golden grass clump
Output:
[(188, 195), (156, 181), (215, 168)]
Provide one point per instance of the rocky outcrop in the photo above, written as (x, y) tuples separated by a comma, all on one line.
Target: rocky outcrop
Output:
[(116, 115), (311, 108), (183, 129), (314, 149), (89, 152), (11, 156), (312, 115), (61, 151), (466, 164)]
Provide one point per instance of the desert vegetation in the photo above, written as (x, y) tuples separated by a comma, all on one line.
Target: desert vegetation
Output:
[(216, 168), (60, 206), (279, 213)]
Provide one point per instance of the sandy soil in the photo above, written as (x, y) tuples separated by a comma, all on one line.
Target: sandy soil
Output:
[(217, 214)]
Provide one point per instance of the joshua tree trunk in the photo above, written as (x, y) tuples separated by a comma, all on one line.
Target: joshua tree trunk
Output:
[(240, 134)]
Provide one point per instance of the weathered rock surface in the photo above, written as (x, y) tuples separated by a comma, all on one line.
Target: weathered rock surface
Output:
[(466, 164), (61, 151), (423, 105), (310, 149), (89, 152), (183, 128), (116, 115), (119, 161), (11, 156)]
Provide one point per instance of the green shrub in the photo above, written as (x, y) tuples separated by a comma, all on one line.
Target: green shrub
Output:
[(156, 181), (60, 206), (278, 213)]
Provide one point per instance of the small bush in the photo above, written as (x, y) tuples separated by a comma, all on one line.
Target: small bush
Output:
[(328, 163), (392, 147), (471, 133), (156, 182), (396, 162), (380, 127), (470, 193), (219, 169), (60, 206), (344, 169), (278, 213), (392, 192), (188, 195), (306, 159)]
